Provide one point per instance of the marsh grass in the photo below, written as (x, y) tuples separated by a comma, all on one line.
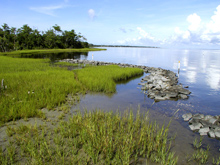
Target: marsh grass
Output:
[(33, 84), (201, 154), (94, 137), (104, 78)]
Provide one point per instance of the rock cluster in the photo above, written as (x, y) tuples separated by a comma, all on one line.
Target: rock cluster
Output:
[(96, 63), (160, 85), (205, 125), (163, 84)]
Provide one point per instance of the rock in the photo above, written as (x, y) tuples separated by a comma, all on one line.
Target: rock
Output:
[(217, 134), (159, 98), (211, 134), (182, 96), (204, 122), (207, 117), (192, 121), (204, 131), (205, 125), (184, 91), (195, 126), (198, 116), (187, 116), (212, 120)]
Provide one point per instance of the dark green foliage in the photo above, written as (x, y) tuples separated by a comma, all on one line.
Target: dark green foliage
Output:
[(28, 38)]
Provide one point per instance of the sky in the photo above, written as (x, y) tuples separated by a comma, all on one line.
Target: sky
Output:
[(170, 23)]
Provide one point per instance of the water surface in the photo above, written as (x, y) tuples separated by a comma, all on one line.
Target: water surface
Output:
[(199, 69)]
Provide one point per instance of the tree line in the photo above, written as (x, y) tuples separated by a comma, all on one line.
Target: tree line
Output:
[(25, 37)]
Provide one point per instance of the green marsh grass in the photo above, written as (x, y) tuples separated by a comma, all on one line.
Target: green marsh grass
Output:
[(200, 154), (33, 84), (94, 137), (104, 78)]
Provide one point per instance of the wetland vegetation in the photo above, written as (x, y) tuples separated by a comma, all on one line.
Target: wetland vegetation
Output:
[(29, 85), (32, 84)]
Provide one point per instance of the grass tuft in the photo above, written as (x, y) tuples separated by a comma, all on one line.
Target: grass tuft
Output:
[(93, 137)]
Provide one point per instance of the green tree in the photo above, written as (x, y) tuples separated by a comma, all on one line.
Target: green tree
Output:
[(50, 37), (28, 38), (14, 38), (25, 37), (4, 38)]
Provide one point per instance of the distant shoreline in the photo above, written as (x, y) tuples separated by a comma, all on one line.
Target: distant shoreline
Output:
[(126, 46)]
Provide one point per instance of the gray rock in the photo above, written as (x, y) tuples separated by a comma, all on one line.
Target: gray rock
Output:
[(182, 96), (217, 134), (184, 91), (211, 134), (207, 117), (195, 126), (212, 120), (204, 130), (198, 116), (192, 121), (187, 116), (159, 98)]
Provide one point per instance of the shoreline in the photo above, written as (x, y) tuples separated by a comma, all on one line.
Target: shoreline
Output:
[(160, 85)]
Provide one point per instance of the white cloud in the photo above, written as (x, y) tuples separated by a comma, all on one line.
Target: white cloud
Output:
[(195, 21), (91, 13), (198, 34), (143, 38), (48, 10), (214, 25)]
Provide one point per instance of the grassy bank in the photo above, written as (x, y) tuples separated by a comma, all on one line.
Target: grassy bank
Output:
[(97, 137), (32, 84), (104, 78), (40, 51), (90, 138)]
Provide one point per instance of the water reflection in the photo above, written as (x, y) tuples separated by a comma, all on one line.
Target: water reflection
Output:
[(199, 69), (57, 56)]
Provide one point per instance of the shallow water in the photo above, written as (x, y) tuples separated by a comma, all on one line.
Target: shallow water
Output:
[(199, 69)]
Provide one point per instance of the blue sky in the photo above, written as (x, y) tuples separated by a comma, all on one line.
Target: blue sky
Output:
[(170, 23)]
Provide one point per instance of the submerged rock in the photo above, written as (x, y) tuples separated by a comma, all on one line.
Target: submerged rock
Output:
[(187, 116), (205, 125), (195, 126)]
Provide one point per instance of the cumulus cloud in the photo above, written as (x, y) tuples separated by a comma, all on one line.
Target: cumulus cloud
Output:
[(195, 21), (143, 38), (197, 34), (214, 24), (91, 13)]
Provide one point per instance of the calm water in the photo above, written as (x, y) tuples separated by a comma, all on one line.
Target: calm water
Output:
[(199, 69)]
